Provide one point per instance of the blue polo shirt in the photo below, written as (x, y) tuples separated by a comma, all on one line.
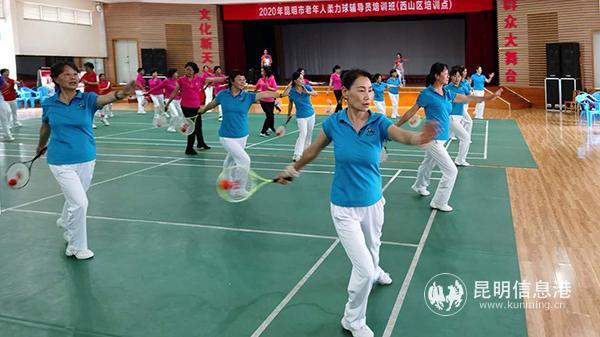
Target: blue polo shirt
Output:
[(235, 113), (457, 108), (71, 136), (437, 108), (466, 85), (304, 107), (393, 81), (357, 180), (378, 90), (478, 81)]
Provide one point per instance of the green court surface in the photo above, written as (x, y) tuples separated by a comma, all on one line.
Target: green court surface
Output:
[(173, 259)]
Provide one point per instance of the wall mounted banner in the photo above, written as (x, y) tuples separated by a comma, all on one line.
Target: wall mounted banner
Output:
[(344, 9)]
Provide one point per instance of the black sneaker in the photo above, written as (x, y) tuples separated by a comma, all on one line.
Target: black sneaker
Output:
[(190, 151), (204, 147)]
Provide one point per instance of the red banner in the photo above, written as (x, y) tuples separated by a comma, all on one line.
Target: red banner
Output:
[(356, 8)]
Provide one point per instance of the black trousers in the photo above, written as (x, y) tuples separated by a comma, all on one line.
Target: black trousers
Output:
[(191, 112), (270, 117), (338, 98)]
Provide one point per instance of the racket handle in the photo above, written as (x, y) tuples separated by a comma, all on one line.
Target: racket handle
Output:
[(286, 178)]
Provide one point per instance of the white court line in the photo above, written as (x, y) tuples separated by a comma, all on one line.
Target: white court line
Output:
[(263, 326), (92, 185), (274, 138), (485, 147), (192, 225), (392, 152), (408, 278), (125, 132), (391, 180)]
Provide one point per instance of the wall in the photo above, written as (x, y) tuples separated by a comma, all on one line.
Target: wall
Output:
[(577, 20), (59, 39), (146, 22), (7, 43)]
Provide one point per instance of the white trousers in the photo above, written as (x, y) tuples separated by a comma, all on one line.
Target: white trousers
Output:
[(467, 122), (175, 112), (208, 93), (139, 95), (5, 118), (394, 100), (236, 156), (436, 154), (359, 231), (479, 107), (305, 130), (13, 111), (159, 103), (380, 106), (464, 138), (74, 181)]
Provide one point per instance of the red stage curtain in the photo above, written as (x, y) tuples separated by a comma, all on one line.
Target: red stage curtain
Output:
[(481, 44), (234, 45)]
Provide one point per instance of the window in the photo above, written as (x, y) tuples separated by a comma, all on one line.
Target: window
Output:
[(33, 11), (67, 15)]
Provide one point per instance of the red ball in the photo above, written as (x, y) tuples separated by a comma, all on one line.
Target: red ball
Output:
[(225, 184), (184, 128), (12, 182)]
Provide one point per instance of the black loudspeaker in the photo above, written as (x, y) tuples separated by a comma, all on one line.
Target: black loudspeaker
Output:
[(160, 60), (552, 87), (147, 62), (569, 56), (567, 86), (553, 60), (154, 59)]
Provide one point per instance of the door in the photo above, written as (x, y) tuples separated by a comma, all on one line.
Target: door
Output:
[(597, 59), (126, 59)]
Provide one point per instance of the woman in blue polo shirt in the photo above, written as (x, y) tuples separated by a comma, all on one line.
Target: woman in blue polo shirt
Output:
[(378, 90), (478, 80), (68, 117), (467, 122), (393, 92), (305, 113), (233, 132), (437, 102), (456, 116), (356, 194)]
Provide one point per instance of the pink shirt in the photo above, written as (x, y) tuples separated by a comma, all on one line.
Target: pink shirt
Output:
[(336, 81), (140, 82), (267, 85), (155, 88), (218, 86), (190, 91), (168, 85)]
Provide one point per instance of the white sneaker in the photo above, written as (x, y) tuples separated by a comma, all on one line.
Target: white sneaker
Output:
[(384, 279), (363, 331), (171, 129), (454, 138), (263, 135), (94, 126), (463, 163), (80, 254), (141, 112), (220, 118), (66, 236), (60, 223), (422, 191), (105, 121), (18, 124), (442, 208), (9, 138)]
